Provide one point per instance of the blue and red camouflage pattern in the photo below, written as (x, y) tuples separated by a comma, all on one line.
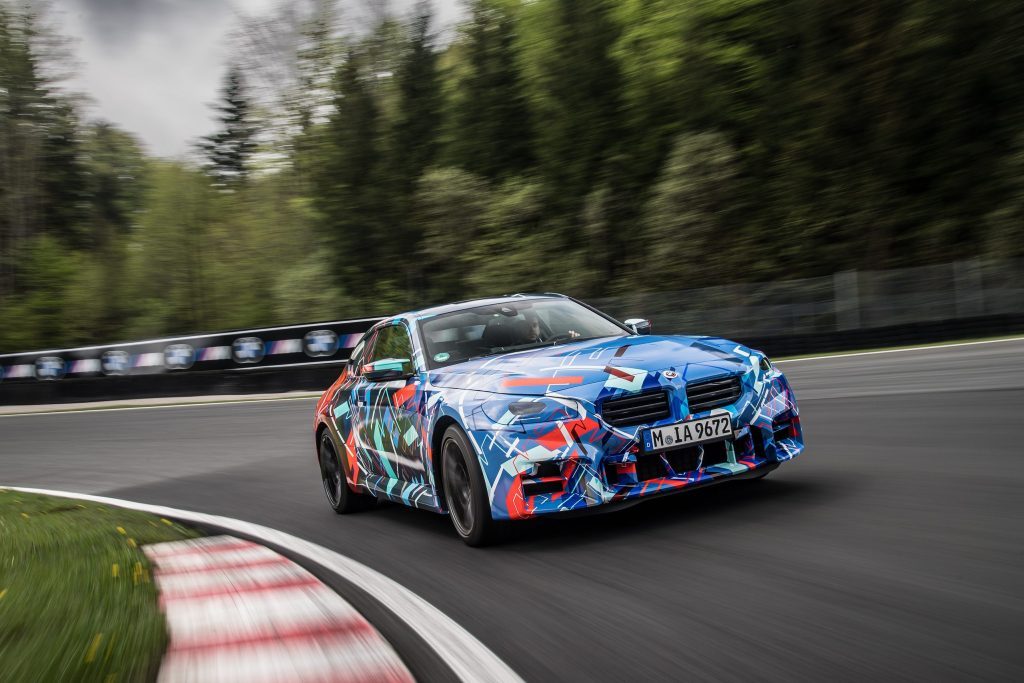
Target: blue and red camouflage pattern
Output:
[(388, 431)]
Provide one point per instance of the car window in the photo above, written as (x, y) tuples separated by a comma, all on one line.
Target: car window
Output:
[(355, 359), (509, 326), (392, 342)]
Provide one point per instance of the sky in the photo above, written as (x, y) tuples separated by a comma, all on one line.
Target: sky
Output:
[(154, 67)]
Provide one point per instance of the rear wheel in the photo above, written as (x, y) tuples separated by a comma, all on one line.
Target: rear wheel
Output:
[(341, 498), (464, 490)]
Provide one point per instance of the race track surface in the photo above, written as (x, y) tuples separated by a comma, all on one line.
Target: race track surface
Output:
[(892, 549)]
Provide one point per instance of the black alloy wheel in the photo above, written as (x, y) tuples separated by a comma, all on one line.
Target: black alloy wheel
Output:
[(341, 498), (464, 490)]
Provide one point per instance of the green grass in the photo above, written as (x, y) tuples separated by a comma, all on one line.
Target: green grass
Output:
[(77, 602)]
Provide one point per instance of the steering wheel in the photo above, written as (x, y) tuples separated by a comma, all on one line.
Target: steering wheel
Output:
[(557, 337)]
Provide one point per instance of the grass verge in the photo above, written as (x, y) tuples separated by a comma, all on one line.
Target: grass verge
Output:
[(77, 602)]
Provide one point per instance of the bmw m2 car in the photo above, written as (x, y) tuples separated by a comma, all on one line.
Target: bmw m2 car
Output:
[(514, 407)]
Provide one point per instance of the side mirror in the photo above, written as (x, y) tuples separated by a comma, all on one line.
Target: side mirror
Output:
[(387, 369), (639, 325)]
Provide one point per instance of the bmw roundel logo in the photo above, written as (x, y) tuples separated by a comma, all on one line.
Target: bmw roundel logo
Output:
[(320, 343), (669, 374), (50, 368), (247, 350), (115, 362), (179, 357)]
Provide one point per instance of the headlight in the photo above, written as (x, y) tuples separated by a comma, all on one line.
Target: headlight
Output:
[(511, 412)]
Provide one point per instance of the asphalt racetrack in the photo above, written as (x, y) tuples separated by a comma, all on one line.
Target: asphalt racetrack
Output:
[(892, 549)]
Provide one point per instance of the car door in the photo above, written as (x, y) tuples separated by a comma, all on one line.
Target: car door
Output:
[(387, 412)]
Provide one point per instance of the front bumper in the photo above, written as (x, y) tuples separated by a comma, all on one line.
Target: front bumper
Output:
[(583, 464)]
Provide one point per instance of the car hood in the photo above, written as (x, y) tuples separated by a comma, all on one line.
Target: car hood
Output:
[(597, 368)]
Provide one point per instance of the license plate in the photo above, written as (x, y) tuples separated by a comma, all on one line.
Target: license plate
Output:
[(706, 429)]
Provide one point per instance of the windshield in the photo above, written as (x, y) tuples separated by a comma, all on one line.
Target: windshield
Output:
[(510, 326)]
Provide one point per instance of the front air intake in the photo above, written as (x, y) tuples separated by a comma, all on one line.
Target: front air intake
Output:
[(642, 408), (712, 393)]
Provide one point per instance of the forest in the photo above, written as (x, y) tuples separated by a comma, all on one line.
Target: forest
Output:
[(590, 147)]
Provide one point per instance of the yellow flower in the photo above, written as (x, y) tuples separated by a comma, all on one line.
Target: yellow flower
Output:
[(91, 654)]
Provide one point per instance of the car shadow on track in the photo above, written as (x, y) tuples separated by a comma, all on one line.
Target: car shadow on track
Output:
[(731, 502), (735, 502)]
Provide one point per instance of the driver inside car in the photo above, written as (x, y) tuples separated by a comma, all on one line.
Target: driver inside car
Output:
[(530, 329)]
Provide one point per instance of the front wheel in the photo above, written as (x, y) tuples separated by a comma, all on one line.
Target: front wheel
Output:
[(341, 498), (464, 490)]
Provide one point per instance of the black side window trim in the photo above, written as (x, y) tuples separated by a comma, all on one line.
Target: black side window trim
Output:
[(356, 362), (408, 337)]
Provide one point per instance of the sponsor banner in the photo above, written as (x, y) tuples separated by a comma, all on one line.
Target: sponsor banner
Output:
[(85, 366), (283, 346), (214, 353), (116, 362), (50, 368), (149, 360), (270, 347), (248, 350), (179, 356), (349, 341), (320, 343), (20, 371)]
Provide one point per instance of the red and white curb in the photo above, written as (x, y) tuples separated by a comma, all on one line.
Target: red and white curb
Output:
[(468, 659), (238, 611)]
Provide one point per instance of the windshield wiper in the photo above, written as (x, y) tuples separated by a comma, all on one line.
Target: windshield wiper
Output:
[(499, 350), (573, 340)]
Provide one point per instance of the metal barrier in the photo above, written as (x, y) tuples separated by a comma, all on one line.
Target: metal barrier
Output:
[(854, 302), (848, 310), (266, 359)]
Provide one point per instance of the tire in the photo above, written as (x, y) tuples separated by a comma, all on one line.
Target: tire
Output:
[(340, 496), (465, 491)]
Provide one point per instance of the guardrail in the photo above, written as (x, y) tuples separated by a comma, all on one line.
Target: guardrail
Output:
[(292, 357)]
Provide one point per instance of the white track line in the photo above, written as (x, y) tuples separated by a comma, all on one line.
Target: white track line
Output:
[(933, 347), (466, 656)]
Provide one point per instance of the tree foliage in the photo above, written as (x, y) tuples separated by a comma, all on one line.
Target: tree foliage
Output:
[(568, 145)]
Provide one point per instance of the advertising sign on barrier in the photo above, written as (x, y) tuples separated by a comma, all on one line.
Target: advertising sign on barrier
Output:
[(276, 347), (49, 368), (247, 350), (179, 357), (115, 362), (320, 343)]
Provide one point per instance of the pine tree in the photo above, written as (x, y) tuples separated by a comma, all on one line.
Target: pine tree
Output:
[(419, 104), (229, 150), (491, 119), (574, 94), (349, 197)]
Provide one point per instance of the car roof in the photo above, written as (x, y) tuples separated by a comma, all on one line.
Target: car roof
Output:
[(473, 303)]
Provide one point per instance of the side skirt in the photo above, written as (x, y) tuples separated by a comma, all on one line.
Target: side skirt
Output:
[(409, 493)]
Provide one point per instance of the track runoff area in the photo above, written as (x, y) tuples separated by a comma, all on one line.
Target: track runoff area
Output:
[(890, 548)]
